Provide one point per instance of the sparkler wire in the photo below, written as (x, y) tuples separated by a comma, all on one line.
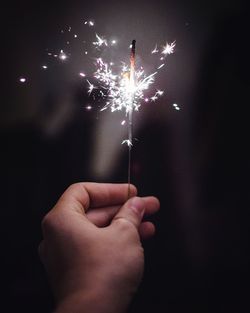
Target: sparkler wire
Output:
[(130, 113)]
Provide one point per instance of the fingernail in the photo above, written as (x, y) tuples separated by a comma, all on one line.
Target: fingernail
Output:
[(138, 206)]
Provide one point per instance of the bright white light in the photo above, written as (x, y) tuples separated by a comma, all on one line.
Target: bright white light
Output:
[(88, 107), (44, 67), (168, 48), (123, 122), (62, 56), (82, 74), (176, 106), (22, 80)]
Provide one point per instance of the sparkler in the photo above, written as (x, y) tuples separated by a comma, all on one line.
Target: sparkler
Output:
[(130, 113), (125, 88)]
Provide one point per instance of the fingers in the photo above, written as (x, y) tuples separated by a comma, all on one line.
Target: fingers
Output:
[(131, 212), (146, 230), (102, 217), (81, 196)]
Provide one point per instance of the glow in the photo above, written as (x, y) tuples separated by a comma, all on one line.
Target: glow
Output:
[(22, 80)]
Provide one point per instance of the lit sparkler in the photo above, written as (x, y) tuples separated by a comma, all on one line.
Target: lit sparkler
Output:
[(125, 89)]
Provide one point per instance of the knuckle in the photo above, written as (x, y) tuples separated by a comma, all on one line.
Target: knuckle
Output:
[(124, 224), (48, 222)]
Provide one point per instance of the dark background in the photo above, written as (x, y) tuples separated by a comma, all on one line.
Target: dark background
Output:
[(196, 160)]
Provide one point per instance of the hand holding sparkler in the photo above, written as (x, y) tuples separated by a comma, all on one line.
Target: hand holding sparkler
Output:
[(91, 248)]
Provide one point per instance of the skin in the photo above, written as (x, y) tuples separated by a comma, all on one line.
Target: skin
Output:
[(92, 248)]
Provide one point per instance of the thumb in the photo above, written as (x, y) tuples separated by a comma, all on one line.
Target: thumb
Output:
[(132, 211)]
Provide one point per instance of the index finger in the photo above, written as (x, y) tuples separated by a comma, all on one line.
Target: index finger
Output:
[(81, 196)]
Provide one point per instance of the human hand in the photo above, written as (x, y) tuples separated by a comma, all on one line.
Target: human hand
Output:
[(92, 250)]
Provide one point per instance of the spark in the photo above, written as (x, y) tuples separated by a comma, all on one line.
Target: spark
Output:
[(91, 87), (160, 92), (156, 50), (89, 23), (62, 56), (22, 80), (168, 48), (123, 122), (100, 41), (113, 42), (176, 106), (161, 66), (128, 142), (82, 74), (75, 36), (88, 107), (44, 67)]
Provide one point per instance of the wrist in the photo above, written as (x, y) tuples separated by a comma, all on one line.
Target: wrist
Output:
[(95, 301)]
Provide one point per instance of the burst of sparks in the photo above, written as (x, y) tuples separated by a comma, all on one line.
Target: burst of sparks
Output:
[(111, 81), (168, 48), (114, 85)]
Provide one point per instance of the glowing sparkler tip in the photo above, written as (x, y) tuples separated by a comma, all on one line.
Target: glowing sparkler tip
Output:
[(82, 74)]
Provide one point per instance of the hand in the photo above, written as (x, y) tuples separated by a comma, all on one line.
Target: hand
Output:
[(92, 250)]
